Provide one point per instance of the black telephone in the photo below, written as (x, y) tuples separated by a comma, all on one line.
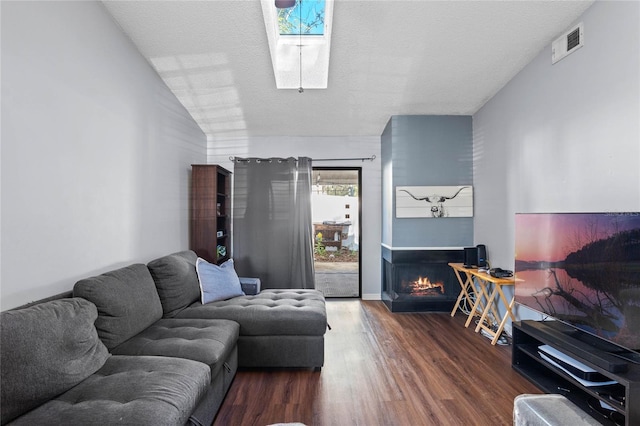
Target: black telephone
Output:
[(500, 273)]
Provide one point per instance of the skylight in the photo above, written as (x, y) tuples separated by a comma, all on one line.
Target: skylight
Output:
[(299, 42), (305, 18)]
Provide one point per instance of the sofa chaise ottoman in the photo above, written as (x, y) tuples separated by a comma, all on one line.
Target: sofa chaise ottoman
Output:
[(278, 328)]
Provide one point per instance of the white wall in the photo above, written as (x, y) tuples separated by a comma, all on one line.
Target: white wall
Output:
[(326, 147), (96, 151), (563, 137), (327, 207)]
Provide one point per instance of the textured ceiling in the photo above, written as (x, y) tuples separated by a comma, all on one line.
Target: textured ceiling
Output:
[(387, 58)]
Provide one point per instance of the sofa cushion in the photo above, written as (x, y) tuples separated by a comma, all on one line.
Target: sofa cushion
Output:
[(217, 282), (176, 280), (207, 341), (270, 312), (127, 302), (129, 390), (46, 349)]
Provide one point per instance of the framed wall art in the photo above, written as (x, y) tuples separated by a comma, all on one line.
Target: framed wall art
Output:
[(434, 201)]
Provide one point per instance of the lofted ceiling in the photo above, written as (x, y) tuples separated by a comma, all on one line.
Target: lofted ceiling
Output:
[(388, 57)]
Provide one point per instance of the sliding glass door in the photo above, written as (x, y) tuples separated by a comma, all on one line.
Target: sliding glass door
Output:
[(336, 217)]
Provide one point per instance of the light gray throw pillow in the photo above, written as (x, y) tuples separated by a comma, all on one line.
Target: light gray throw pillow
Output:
[(218, 282)]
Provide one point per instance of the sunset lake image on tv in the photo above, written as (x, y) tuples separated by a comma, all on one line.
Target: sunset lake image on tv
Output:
[(583, 269)]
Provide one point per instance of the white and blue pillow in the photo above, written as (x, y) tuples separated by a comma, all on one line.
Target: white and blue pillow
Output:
[(217, 282)]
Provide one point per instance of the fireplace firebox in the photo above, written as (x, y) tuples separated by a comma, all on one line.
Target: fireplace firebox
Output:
[(420, 280)]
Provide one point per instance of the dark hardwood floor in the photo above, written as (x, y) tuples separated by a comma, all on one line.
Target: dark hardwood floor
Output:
[(385, 369)]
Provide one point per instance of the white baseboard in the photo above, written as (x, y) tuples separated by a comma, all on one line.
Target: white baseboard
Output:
[(372, 296)]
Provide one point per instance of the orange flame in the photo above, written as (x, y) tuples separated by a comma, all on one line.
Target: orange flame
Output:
[(422, 284)]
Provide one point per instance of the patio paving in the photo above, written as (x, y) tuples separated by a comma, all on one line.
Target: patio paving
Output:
[(337, 279)]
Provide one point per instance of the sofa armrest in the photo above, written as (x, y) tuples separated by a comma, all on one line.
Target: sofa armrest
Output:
[(250, 286)]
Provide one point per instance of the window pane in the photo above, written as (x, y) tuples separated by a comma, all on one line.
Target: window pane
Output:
[(305, 18)]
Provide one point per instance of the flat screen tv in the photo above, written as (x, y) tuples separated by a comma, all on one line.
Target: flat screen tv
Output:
[(582, 269)]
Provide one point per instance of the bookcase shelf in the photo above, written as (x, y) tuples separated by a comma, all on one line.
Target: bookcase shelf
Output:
[(210, 212)]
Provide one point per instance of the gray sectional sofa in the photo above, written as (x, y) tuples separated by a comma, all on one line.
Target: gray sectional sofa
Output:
[(136, 346)]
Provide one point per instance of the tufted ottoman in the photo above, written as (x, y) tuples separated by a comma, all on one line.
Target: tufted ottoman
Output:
[(548, 409), (278, 328)]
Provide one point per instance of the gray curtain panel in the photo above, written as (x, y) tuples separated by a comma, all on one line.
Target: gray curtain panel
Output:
[(272, 226)]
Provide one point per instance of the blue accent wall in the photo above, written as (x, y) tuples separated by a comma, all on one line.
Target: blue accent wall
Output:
[(424, 150)]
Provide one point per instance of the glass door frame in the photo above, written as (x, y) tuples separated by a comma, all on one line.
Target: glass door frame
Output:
[(359, 213)]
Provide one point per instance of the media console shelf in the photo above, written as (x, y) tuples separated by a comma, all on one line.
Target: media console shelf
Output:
[(611, 404)]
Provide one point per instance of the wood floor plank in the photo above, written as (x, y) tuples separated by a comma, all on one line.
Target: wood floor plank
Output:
[(385, 368)]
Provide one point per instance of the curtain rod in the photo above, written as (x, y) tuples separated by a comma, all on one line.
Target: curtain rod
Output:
[(363, 159)]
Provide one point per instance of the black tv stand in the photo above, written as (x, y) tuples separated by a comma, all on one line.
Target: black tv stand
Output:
[(582, 345), (621, 399), (629, 356)]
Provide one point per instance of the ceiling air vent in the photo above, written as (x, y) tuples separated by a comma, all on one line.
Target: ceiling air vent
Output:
[(567, 43)]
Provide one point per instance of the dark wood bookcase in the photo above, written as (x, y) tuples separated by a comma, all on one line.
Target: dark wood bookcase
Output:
[(210, 227), (611, 361)]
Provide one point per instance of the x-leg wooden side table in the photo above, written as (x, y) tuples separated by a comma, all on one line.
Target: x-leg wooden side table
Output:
[(497, 285), (468, 291), (484, 303), (486, 292), (466, 286)]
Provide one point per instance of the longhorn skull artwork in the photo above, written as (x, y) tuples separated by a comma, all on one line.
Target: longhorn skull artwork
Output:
[(436, 201)]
